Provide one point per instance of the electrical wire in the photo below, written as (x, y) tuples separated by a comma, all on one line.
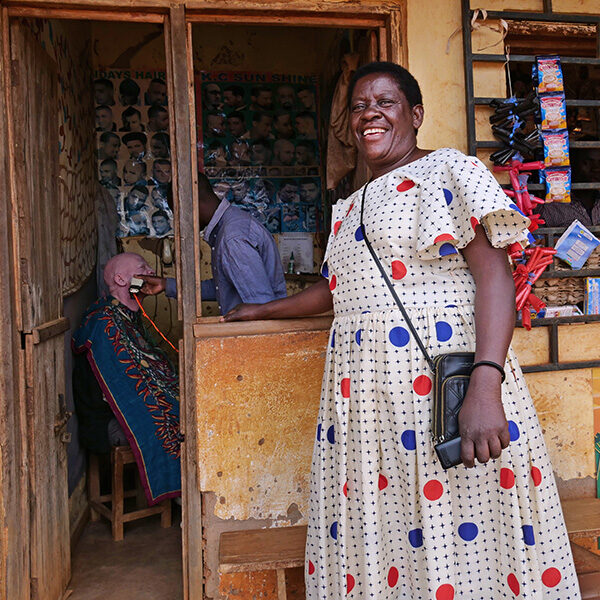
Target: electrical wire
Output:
[(153, 324)]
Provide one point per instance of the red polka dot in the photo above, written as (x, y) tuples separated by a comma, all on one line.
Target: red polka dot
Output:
[(406, 185), (513, 584), (445, 592), (422, 385), (383, 482), (536, 475), (349, 209), (393, 577), (345, 387), (474, 223), (444, 237), (345, 489), (311, 567), (433, 490), (507, 478), (551, 577), (336, 227), (332, 282), (349, 583), (398, 269)]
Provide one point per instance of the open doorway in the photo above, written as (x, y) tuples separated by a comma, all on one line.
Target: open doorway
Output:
[(60, 230)]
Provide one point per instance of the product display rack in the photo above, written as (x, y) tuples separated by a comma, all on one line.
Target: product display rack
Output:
[(551, 234)]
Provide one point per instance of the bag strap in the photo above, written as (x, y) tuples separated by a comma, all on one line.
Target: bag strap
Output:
[(391, 286)]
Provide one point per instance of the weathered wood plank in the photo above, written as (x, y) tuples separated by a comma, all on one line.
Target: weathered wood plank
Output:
[(212, 327), (90, 15), (582, 517), (262, 549), (50, 329), (14, 511), (179, 52)]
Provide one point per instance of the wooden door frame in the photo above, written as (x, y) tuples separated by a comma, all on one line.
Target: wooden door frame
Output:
[(14, 509), (391, 26), (390, 21)]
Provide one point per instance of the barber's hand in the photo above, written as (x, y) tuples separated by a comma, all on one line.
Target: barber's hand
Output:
[(152, 284), (243, 312), (482, 423)]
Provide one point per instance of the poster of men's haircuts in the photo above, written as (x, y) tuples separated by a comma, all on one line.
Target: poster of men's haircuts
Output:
[(133, 146), (259, 145)]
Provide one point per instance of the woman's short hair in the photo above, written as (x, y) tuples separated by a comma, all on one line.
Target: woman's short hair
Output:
[(406, 82)]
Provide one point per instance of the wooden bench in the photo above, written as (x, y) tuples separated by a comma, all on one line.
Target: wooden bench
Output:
[(119, 457), (277, 548), (582, 518)]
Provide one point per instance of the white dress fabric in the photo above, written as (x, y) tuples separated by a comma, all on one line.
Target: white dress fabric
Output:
[(386, 521)]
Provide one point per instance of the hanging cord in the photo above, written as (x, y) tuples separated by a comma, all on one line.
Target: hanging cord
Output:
[(153, 324), (475, 24), (506, 65)]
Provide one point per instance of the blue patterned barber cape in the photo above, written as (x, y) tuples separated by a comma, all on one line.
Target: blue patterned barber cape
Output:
[(142, 388)]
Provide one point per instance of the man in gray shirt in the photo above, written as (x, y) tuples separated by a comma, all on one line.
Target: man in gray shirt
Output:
[(245, 262)]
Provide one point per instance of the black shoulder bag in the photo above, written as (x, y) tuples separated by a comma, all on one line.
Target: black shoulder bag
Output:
[(451, 373)]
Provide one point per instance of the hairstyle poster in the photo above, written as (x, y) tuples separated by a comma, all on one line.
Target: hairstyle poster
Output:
[(133, 148), (259, 145)]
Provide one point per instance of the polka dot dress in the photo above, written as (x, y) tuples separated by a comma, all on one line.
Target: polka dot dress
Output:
[(386, 521)]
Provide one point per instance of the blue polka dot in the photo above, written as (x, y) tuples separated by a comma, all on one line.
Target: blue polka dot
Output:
[(358, 234), (415, 537), (447, 248), (358, 336), (448, 196), (443, 331), (450, 306), (319, 428), (528, 536), (409, 441), (399, 336), (468, 531), (333, 338), (333, 530), (325, 270), (331, 435), (514, 432)]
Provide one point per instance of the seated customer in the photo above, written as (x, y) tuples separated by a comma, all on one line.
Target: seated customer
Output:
[(137, 381)]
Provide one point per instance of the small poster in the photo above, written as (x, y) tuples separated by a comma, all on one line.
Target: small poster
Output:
[(133, 148), (259, 146), (301, 246)]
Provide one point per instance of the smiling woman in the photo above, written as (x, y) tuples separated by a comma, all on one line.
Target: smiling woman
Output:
[(387, 521)]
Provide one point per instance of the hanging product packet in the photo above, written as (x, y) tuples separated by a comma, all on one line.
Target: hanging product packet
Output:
[(553, 108), (558, 184), (576, 244), (556, 148), (549, 74)]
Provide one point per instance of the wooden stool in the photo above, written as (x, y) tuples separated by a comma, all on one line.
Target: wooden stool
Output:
[(120, 456), (278, 548)]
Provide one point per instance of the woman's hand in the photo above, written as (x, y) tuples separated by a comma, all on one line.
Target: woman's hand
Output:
[(482, 423), (244, 312)]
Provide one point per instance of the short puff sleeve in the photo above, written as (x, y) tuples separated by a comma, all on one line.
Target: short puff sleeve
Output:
[(338, 211), (462, 194)]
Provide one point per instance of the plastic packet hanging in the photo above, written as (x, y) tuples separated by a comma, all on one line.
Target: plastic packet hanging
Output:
[(558, 185), (554, 111), (549, 74), (556, 148)]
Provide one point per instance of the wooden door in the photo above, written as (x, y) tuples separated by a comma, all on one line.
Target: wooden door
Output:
[(36, 241)]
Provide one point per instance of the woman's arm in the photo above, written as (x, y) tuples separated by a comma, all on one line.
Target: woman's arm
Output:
[(313, 300), (482, 422)]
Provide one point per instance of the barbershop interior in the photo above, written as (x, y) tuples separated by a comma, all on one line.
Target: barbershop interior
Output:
[(118, 516), (108, 83)]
